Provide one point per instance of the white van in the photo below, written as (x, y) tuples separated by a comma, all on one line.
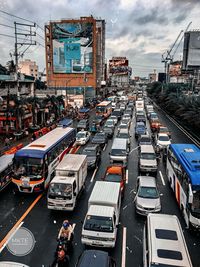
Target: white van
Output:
[(119, 151), (102, 219), (147, 159), (164, 243), (12, 264)]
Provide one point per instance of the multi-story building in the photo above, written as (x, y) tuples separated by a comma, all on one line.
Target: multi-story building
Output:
[(75, 56), (119, 72), (152, 77), (29, 67)]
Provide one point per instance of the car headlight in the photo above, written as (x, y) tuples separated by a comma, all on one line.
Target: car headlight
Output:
[(139, 206), (158, 207)]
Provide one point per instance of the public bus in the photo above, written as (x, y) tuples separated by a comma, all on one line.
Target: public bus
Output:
[(34, 164), (183, 172), (104, 108), (6, 163)]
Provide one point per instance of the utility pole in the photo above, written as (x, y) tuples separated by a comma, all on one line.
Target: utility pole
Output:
[(27, 31)]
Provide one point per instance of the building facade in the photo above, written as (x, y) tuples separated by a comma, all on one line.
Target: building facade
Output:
[(29, 67), (119, 72), (75, 56)]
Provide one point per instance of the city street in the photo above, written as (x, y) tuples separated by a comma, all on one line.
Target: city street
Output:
[(45, 224)]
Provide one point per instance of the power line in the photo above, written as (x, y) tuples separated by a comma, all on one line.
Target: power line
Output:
[(10, 36), (12, 27), (9, 14), (40, 44), (40, 36)]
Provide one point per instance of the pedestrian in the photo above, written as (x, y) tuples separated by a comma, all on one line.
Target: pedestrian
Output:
[(7, 141)]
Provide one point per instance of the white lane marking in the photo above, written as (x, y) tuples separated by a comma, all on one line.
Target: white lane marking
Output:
[(124, 248), (126, 176), (93, 175), (105, 147), (12, 234), (161, 177)]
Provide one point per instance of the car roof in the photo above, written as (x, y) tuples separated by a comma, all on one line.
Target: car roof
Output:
[(140, 123), (147, 181), (147, 149), (124, 130), (163, 134), (91, 258), (145, 136)]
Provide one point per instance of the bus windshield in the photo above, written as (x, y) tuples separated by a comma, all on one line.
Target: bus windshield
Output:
[(28, 166), (60, 190)]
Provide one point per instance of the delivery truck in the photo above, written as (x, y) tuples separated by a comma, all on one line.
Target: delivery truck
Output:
[(102, 218), (69, 180), (139, 105)]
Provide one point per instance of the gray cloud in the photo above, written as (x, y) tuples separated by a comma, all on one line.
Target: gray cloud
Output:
[(153, 16)]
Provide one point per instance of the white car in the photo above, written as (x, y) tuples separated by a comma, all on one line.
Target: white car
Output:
[(82, 137), (114, 118), (162, 141), (110, 123)]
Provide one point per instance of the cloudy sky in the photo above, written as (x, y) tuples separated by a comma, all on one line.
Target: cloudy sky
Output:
[(141, 30)]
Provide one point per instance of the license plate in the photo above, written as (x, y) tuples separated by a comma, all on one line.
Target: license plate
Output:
[(25, 190)]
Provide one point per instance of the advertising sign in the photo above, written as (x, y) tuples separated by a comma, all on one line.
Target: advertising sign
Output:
[(119, 66), (191, 50), (72, 47)]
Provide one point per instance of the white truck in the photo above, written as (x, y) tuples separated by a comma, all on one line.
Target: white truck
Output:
[(102, 219), (139, 105), (69, 180)]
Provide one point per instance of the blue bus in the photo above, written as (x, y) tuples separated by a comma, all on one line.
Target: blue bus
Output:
[(35, 163), (183, 172)]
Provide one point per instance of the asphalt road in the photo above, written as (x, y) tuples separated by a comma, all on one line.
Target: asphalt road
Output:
[(45, 224)]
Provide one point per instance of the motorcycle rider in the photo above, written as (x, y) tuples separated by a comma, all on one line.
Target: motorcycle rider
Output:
[(66, 231), (61, 258)]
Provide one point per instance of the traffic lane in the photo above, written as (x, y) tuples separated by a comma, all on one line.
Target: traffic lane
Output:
[(177, 135), (168, 201), (170, 206), (131, 221), (52, 222), (45, 225), (12, 206)]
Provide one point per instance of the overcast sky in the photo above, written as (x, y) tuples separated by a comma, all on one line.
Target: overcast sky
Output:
[(141, 30)]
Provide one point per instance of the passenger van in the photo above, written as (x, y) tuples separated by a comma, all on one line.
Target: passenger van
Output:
[(119, 151), (147, 159), (164, 243)]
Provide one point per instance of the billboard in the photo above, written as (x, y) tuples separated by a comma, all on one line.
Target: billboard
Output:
[(119, 66), (191, 50), (72, 47)]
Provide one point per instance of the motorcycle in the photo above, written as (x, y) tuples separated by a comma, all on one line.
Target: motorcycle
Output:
[(61, 257)]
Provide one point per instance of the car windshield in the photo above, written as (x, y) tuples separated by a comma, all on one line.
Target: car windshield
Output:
[(123, 126), (28, 166), (89, 152), (163, 138), (110, 177), (145, 140), (109, 122), (116, 152), (150, 156), (123, 135), (98, 223), (148, 192), (60, 190), (80, 135), (82, 123), (163, 130)]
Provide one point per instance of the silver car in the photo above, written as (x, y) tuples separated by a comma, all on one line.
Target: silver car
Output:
[(147, 197)]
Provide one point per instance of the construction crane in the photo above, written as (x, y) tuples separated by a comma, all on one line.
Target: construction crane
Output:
[(169, 55)]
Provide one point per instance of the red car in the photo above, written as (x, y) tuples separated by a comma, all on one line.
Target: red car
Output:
[(117, 174)]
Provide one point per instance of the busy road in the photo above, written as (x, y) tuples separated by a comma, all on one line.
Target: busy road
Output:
[(31, 211)]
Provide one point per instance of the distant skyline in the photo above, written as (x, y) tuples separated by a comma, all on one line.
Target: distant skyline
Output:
[(141, 30)]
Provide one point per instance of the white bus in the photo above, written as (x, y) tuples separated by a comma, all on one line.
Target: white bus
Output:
[(35, 163), (164, 243), (183, 172)]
